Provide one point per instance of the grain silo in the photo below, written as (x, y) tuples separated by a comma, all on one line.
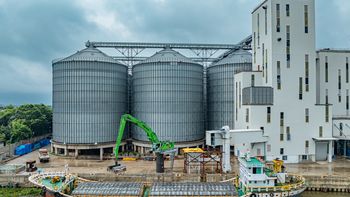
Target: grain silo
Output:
[(220, 88), (89, 96), (168, 96)]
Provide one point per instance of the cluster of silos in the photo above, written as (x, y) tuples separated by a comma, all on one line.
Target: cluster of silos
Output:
[(167, 92), (89, 96), (220, 88), (90, 93)]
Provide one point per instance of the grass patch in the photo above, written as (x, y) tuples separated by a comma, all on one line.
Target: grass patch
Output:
[(18, 192)]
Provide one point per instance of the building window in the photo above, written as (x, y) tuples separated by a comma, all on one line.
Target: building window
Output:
[(281, 119), (287, 10), (326, 69), (327, 113), (307, 115), (326, 96), (252, 78), (347, 102), (288, 45), (281, 137), (307, 144), (263, 57), (266, 66), (268, 114), (268, 148), (247, 115), (240, 95), (254, 47), (258, 21), (320, 131), (304, 157), (306, 18), (265, 21), (281, 151), (300, 88), (339, 85), (306, 73), (236, 101), (278, 75), (288, 133), (347, 70), (284, 157), (278, 18)]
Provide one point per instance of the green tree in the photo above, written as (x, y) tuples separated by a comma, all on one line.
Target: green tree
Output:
[(5, 133), (7, 115), (15, 121), (19, 131)]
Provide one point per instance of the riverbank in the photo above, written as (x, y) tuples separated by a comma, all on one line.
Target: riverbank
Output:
[(324, 194), (17, 192)]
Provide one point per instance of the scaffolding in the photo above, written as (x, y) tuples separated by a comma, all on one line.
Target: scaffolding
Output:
[(198, 161)]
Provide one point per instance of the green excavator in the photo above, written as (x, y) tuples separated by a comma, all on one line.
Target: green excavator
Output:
[(159, 147)]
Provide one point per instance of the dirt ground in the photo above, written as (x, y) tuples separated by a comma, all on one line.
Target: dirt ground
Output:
[(341, 166)]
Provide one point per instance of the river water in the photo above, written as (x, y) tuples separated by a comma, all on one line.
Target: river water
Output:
[(323, 194)]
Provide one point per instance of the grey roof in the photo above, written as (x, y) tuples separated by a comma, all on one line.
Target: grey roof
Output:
[(89, 54), (109, 189), (168, 55), (239, 56), (193, 189), (334, 50)]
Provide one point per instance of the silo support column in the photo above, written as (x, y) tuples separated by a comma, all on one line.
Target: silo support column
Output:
[(101, 154), (330, 151), (66, 151), (345, 145), (76, 153)]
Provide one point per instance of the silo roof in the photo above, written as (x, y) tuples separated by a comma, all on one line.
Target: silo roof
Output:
[(89, 54), (239, 56), (168, 55)]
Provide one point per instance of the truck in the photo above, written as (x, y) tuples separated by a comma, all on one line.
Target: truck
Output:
[(44, 155)]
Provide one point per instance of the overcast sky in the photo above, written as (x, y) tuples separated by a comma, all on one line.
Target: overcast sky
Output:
[(34, 32)]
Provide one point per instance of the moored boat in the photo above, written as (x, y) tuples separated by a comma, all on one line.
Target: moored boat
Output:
[(261, 179)]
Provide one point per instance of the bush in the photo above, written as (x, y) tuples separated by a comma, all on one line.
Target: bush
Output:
[(17, 192)]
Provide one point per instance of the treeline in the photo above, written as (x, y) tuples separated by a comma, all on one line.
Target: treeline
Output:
[(25, 121)]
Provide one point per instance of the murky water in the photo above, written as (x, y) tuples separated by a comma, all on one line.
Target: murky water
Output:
[(323, 194)]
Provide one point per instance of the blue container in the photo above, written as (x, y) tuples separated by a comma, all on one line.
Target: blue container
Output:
[(36, 145), (20, 150), (23, 149), (44, 142)]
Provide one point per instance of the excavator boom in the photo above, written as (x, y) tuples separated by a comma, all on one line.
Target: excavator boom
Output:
[(157, 146)]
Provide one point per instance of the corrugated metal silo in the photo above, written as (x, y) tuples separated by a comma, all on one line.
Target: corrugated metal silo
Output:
[(168, 95), (89, 96), (220, 88)]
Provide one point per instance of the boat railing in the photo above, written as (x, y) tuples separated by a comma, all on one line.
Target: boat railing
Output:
[(300, 183)]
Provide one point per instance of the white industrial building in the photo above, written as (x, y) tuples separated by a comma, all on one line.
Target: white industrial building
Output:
[(298, 97)]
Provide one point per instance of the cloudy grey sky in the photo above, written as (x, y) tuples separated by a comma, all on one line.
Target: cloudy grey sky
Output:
[(34, 32)]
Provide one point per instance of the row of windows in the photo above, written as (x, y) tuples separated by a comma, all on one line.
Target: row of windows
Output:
[(339, 72), (339, 98), (307, 115), (278, 16)]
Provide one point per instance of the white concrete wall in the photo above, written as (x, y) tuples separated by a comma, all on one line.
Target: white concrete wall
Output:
[(286, 99), (336, 62)]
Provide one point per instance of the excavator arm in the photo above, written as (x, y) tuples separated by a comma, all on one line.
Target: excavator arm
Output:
[(157, 146)]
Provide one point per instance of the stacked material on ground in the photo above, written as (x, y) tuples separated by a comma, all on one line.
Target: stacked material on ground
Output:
[(193, 189), (11, 168), (108, 189)]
